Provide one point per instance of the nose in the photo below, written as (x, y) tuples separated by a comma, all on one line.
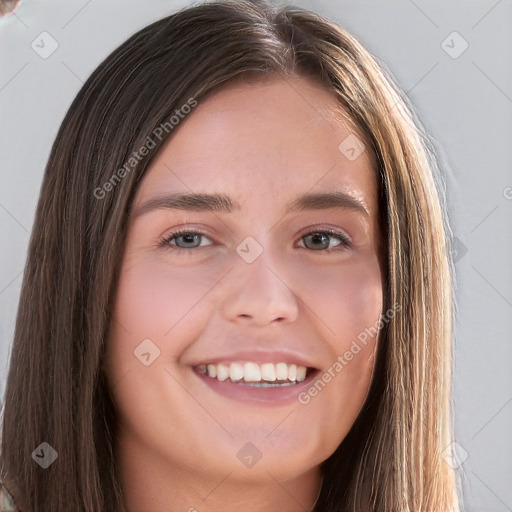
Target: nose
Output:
[(258, 294)]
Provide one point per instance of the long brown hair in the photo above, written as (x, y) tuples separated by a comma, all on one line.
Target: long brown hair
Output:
[(392, 458)]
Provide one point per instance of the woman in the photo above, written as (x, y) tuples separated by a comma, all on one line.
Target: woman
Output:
[(238, 289)]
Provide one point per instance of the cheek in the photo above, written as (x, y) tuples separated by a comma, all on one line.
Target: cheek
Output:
[(346, 299), (155, 302), (153, 298)]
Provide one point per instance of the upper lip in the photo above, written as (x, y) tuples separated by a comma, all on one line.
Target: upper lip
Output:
[(260, 356)]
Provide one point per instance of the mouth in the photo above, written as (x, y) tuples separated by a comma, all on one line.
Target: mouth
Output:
[(249, 373), (260, 382)]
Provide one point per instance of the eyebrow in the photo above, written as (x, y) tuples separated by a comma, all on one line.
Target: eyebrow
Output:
[(223, 203)]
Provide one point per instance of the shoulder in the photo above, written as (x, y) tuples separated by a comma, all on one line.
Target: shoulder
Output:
[(7, 503)]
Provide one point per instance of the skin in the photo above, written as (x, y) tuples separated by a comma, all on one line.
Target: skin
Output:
[(263, 144)]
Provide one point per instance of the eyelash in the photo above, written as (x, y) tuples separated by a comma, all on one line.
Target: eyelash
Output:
[(165, 241)]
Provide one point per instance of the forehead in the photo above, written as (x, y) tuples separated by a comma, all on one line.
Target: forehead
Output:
[(264, 141)]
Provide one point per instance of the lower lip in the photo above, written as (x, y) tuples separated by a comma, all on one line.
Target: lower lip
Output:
[(271, 395)]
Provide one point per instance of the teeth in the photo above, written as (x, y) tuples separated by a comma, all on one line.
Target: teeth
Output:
[(212, 370), (252, 372), (236, 372), (281, 371), (300, 373), (257, 374), (292, 372), (268, 372), (222, 371)]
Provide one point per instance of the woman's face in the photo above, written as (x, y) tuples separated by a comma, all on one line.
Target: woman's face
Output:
[(252, 290)]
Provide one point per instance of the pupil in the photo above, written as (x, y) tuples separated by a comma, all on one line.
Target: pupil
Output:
[(189, 239), (320, 238)]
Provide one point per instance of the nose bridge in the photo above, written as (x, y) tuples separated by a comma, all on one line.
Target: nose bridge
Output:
[(258, 289)]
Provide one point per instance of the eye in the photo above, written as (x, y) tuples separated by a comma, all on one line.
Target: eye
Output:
[(184, 240), (320, 240)]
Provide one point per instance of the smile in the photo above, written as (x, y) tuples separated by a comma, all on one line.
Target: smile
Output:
[(254, 374)]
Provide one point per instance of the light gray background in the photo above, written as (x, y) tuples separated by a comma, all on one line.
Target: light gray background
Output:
[(464, 102)]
